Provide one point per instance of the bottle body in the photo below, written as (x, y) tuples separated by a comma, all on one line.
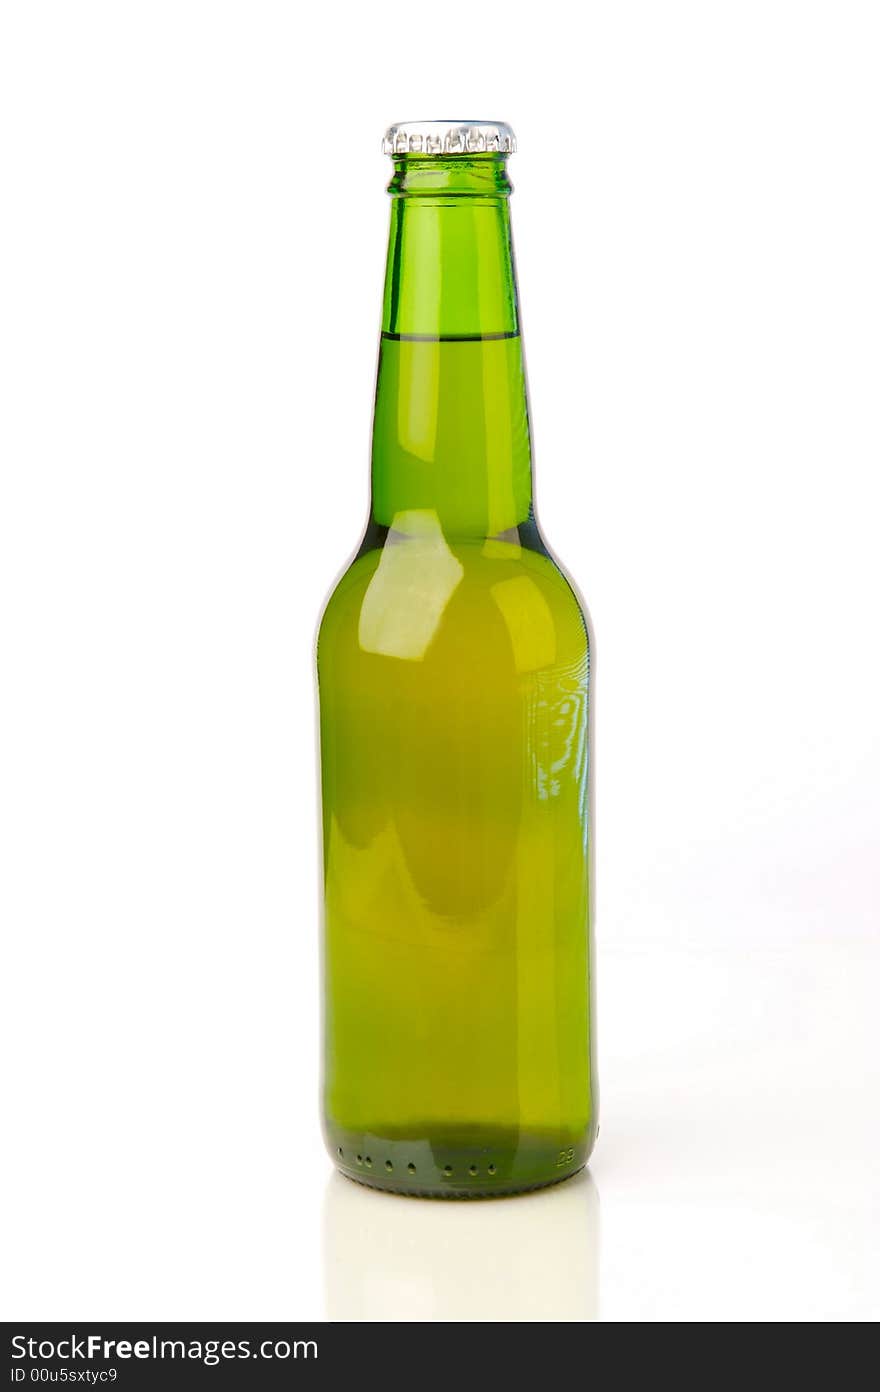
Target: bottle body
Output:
[(454, 690)]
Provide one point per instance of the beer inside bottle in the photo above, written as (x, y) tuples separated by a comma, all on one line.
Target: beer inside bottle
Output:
[(454, 685)]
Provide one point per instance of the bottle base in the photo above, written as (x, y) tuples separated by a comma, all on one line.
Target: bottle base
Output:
[(501, 1192), (457, 1163)]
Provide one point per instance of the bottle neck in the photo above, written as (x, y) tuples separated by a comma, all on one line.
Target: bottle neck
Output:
[(451, 443)]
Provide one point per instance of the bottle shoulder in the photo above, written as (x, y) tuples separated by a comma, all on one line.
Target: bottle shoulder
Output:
[(396, 597)]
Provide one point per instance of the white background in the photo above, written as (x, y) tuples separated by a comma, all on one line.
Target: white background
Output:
[(193, 232)]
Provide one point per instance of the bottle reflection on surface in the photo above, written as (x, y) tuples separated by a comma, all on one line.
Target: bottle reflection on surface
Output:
[(396, 1259)]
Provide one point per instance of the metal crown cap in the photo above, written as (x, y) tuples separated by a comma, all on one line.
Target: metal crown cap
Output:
[(449, 138)]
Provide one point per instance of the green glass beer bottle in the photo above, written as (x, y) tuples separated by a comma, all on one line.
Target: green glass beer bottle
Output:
[(454, 689)]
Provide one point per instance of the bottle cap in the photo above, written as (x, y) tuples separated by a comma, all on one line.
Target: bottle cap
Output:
[(449, 138)]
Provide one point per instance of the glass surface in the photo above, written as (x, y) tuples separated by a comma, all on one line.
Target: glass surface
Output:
[(454, 663)]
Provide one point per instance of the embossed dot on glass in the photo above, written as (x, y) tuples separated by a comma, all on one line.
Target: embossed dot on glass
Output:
[(455, 712)]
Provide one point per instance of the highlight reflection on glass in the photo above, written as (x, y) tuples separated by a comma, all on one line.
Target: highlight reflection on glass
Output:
[(409, 589), (391, 1258)]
